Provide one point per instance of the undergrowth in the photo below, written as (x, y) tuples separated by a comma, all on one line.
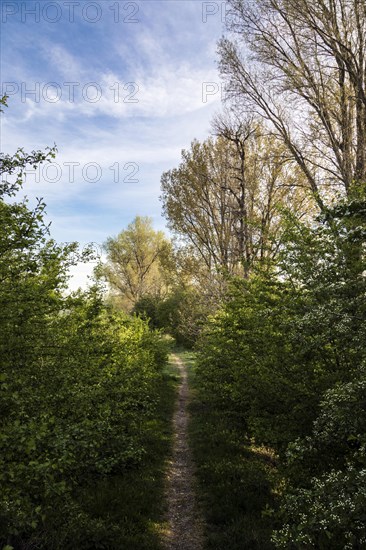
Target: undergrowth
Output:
[(236, 479)]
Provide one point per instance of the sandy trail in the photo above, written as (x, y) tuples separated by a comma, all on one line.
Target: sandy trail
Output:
[(185, 531)]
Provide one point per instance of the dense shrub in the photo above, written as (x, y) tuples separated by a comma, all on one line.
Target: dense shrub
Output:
[(282, 358), (253, 362), (181, 314), (79, 385), (325, 500)]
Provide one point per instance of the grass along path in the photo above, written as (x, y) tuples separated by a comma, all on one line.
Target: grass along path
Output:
[(185, 526)]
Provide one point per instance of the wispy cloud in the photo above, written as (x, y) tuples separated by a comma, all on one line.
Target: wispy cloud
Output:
[(151, 76)]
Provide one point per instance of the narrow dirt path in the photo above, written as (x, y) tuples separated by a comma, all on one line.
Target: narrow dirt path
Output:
[(185, 523)]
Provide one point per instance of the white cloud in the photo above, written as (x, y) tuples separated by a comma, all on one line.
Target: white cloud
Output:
[(171, 91), (66, 64), (169, 55)]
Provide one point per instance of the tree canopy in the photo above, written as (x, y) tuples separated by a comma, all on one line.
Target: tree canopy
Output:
[(301, 66), (138, 263)]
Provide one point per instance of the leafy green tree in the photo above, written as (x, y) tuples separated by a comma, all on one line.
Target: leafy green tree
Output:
[(325, 496), (181, 314), (224, 197), (283, 339), (283, 360), (138, 263), (252, 367)]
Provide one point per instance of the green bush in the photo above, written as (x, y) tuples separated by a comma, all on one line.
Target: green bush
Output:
[(181, 314), (325, 499), (79, 386), (281, 362)]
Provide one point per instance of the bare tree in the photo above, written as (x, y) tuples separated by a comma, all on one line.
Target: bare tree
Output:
[(301, 65)]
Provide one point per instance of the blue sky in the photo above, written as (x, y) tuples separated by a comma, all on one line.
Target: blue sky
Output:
[(121, 87)]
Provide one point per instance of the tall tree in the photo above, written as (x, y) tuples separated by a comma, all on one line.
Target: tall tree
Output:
[(223, 197), (138, 262), (302, 66), (196, 203)]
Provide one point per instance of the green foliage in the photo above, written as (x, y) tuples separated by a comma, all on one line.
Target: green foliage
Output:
[(15, 165), (330, 514), (222, 200), (138, 263), (148, 308), (253, 365), (79, 388), (235, 480), (181, 314), (282, 340), (325, 501), (3, 101), (282, 361)]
